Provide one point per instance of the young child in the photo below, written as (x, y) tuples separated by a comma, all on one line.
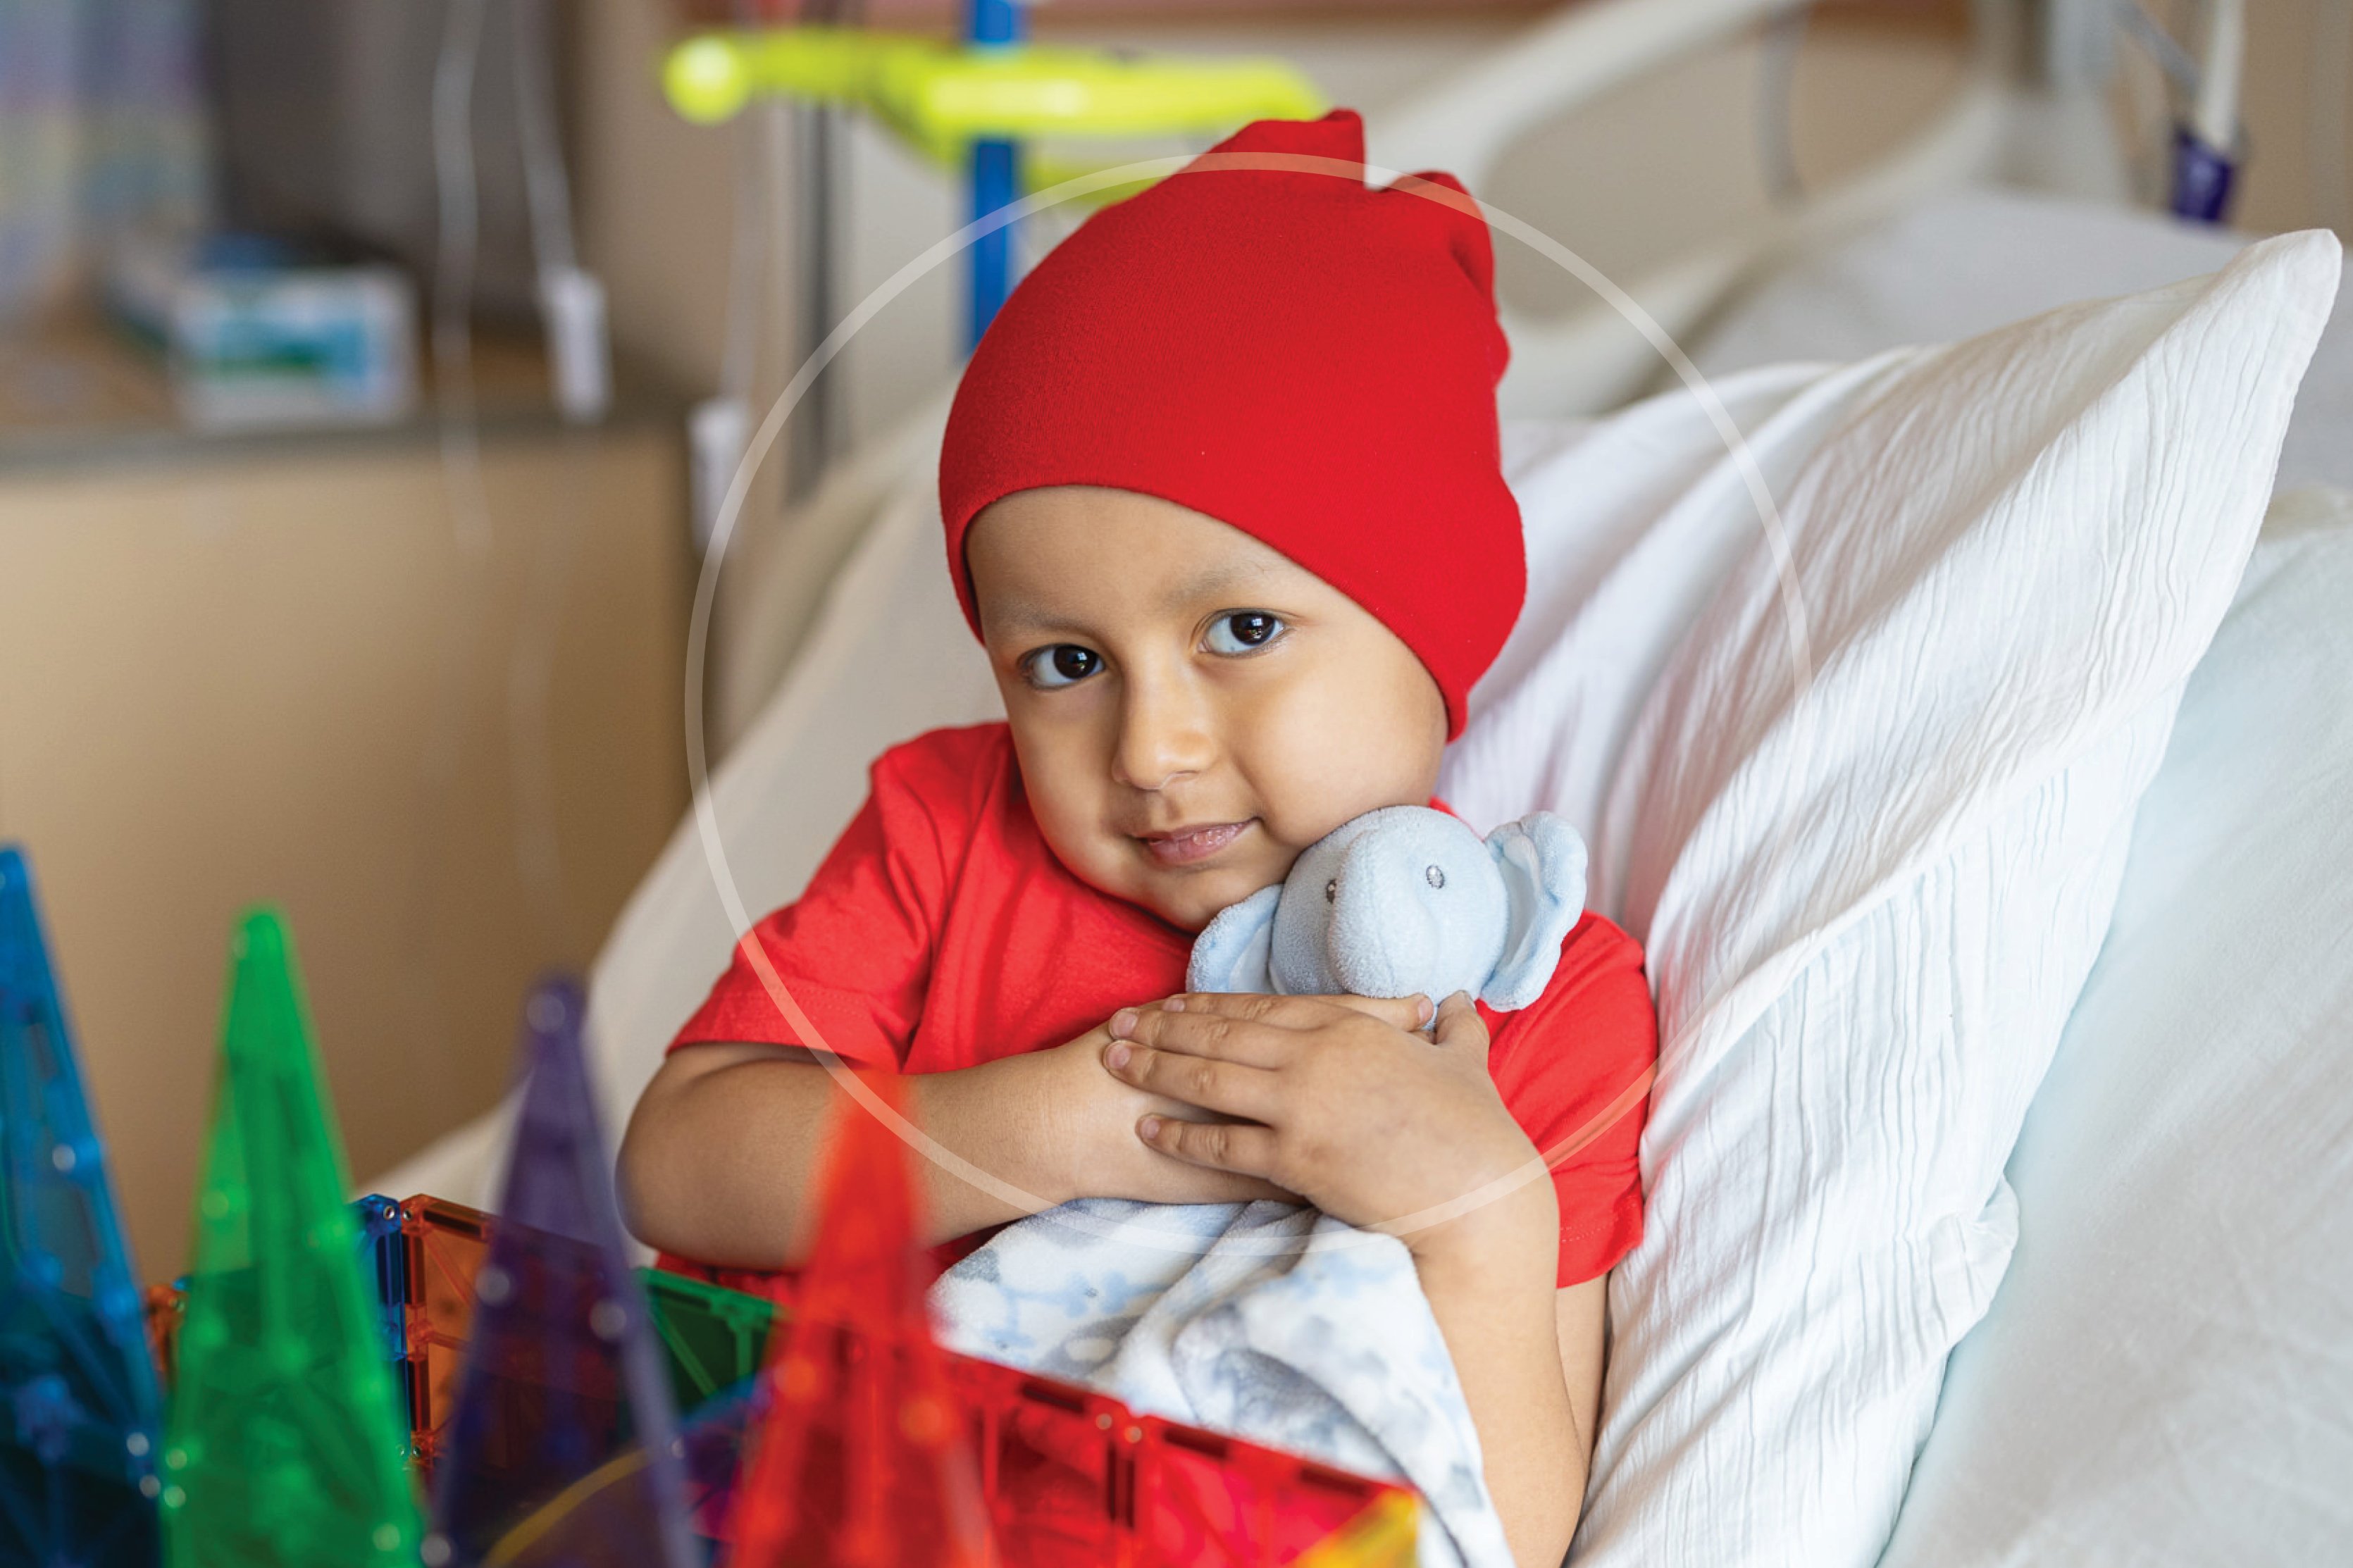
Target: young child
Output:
[(1223, 502)]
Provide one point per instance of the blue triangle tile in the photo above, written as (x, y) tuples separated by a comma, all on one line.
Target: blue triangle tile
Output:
[(79, 1406)]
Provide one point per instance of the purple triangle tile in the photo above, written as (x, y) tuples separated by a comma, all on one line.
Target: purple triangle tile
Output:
[(563, 1380)]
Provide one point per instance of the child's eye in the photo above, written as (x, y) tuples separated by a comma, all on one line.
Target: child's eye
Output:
[(1065, 664), (1243, 631)]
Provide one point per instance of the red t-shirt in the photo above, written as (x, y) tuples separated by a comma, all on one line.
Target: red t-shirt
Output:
[(942, 933)]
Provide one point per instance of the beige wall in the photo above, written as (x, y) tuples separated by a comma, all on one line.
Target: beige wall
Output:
[(286, 679)]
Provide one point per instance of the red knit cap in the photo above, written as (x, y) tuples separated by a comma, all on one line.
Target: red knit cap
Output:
[(1303, 358)]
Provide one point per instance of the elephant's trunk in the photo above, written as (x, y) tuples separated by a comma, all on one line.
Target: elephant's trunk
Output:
[(1385, 940)]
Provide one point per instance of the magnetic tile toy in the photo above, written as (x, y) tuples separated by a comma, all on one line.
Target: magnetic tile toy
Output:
[(711, 1338), (1070, 1478), (319, 1350), (163, 1306), (378, 1221), (79, 1404), (1067, 1477), (864, 1457), (562, 1380), (442, 1248), (385, 1262), (286, 1441)]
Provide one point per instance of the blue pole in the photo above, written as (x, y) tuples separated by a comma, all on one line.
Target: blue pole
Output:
[(996, 182)]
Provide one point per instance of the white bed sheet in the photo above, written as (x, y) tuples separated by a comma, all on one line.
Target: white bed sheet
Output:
[(2166, 1376)]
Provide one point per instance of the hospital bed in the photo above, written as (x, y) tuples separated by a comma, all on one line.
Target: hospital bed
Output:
[(848, 641)]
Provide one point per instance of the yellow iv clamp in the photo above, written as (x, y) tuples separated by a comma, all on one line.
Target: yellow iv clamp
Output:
[(942, 98)]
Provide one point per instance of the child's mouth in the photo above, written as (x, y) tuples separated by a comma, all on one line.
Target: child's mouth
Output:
[(1188, 845)]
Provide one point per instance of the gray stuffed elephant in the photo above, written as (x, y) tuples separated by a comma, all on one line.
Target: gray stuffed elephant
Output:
[(1402, 901)]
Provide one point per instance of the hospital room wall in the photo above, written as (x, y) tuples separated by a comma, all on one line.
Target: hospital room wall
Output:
[(1632, 179)]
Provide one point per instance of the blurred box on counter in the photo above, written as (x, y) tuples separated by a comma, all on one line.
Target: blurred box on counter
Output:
[(258, 335)]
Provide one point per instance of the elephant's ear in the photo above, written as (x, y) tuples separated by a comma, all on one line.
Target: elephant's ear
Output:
[(1542, 864), (1232, 951)]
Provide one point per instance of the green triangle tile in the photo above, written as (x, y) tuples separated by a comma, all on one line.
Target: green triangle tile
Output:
[(284, 1446)]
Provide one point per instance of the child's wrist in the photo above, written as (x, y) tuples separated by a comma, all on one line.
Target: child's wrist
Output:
[(1507, 1243), (1001, 1116), (1058, 1141)]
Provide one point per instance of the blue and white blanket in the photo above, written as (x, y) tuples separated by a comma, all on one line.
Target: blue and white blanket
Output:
[(1266, 1320)]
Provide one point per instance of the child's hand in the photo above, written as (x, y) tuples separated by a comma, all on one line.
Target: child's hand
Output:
[(1093, 1117), (1341, 1099)]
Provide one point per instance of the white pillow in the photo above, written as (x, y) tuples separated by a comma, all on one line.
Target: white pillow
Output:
[(2166, 1376), (1870, 897), (1632, 523)]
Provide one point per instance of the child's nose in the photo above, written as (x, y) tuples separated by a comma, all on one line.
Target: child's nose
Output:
[(1164, 736)]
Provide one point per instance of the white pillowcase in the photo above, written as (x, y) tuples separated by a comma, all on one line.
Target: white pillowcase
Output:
[(2166, 1376), (1870, 895)]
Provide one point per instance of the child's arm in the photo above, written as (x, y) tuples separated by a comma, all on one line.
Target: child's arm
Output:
[(1529, 1359), (1381, 1126), (720, 1157)]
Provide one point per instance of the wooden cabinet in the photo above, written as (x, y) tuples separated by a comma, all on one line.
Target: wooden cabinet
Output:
[(290, 670)]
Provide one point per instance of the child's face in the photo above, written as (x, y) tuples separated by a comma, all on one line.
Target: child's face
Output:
[(1190, 709)]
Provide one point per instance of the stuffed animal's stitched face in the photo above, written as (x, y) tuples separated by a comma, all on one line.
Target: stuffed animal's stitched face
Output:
[(1407, 899), (1399, 901)]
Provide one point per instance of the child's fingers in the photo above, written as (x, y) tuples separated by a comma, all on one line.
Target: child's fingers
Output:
[(1459, 1025), (1203, 1034), (1220, 1145), (1404, 1012), (1300, 1012), (1226, 1088)]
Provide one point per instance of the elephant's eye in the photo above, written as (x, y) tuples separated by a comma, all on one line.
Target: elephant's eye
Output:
[(1332, 891), (1436, 877)]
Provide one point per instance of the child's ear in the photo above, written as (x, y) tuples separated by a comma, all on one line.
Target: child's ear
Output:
[(1542, 860), (1234, 952)]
